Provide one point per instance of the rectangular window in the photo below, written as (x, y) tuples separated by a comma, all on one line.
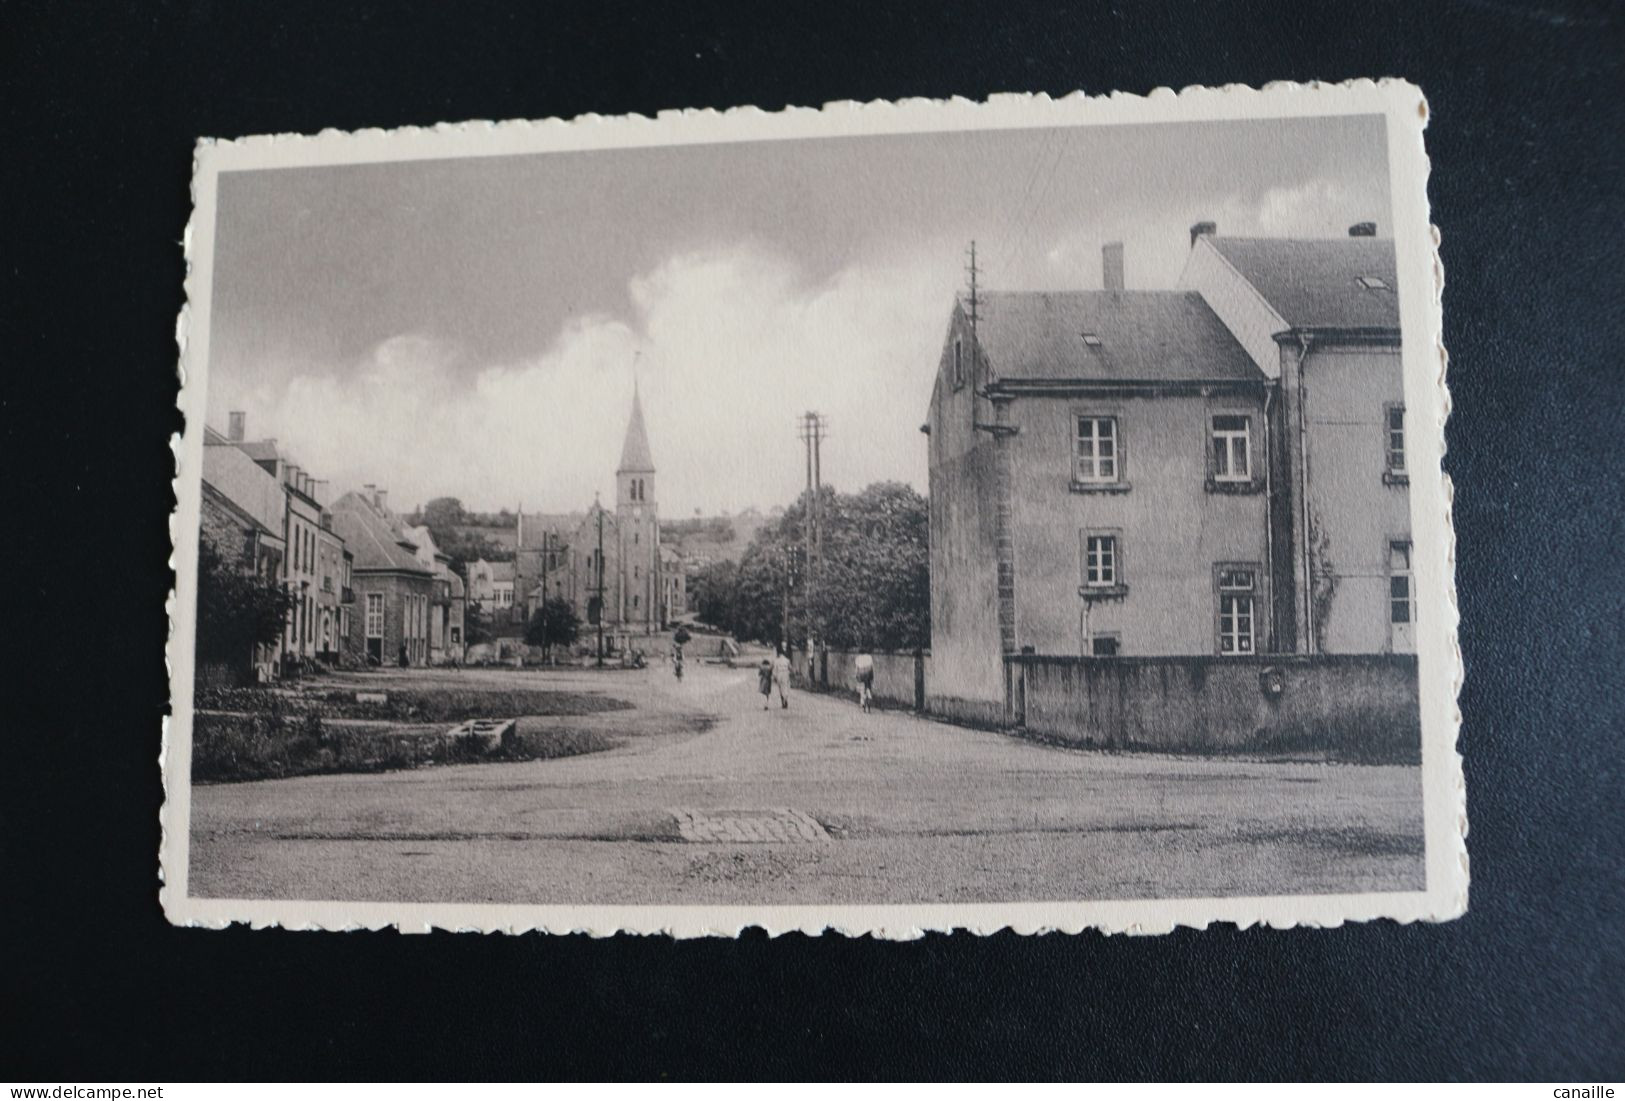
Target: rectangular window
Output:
[(1103, 646), (1099, 560), (1237, 587), (1401, 595), (375, 615), (1394, 429), (1095, 453), (1232, 437), (959, 366)]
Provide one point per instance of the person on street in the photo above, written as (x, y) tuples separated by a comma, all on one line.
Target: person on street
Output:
[(781, 675), (764, 681), (865, 668)]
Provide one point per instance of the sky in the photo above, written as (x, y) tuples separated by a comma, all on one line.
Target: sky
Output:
[(473, 327)]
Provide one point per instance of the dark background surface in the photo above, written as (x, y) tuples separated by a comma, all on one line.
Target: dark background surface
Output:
[(103, 103)]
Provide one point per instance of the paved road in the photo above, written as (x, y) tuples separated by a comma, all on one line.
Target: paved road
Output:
[(817, 803)]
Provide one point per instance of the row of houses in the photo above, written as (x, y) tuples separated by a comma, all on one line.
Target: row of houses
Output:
[(365, 586), (1215, 470)]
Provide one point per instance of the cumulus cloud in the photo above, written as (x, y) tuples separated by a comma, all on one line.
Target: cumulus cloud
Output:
[(730, 345)]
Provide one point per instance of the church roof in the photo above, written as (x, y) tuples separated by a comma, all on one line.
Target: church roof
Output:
[(635, 457)]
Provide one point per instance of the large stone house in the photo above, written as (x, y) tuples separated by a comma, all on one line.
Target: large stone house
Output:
[(1214, 470), (313, 556), (394, 588), (446, 604), (244, 509), (1321, 320)]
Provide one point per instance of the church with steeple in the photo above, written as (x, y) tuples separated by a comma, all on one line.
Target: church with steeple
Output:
[(607, 561)]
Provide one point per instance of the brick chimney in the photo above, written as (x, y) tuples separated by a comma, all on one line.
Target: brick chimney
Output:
[(290, 475), (236, 425), (1203, 229), (1111, 265), (1363, 229), (383, 500)]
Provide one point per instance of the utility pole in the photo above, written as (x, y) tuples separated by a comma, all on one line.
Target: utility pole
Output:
[(600, 585), (811, 429), (975, 302), (784, 612)]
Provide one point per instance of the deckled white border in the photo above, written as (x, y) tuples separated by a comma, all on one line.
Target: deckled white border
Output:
[(1421, 283)]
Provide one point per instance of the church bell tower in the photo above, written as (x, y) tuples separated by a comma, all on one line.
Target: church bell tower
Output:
[(638, 526)]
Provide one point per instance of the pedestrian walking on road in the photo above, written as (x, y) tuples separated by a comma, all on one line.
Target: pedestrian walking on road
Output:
[(781, 675), (865, 667), (764, 681)]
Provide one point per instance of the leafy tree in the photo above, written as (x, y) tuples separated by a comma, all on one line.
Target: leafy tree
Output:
[(554, 624), (442, 515), (236, 611), (713, 592), (872, 586), (476, 624)]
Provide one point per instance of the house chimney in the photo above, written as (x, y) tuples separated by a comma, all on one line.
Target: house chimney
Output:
[(236, 425), (321, 493), (1111, 265), (1363, 229), (383, 500), (1203, 229), (290, 475)]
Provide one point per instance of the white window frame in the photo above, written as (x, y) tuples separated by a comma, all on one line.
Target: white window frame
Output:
[(375, 607), (1095, 472), (1406, 574), (1237, 603), (1101, 560), (1390, 434), (1224, 470)]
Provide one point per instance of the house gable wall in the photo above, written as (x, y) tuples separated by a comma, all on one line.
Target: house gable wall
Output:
[(965, 643), (1353, 512), (1250, 319)]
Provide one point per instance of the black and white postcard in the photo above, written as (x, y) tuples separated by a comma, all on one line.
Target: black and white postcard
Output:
[(879, 518)]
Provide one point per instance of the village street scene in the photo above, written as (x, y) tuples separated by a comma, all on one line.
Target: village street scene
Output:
[(1076, 565)]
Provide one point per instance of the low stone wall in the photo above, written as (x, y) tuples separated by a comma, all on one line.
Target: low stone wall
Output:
[(900, 679), (1355, 707), (967, 712)]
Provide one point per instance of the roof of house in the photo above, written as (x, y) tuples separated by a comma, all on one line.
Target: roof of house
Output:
[(1315, 283), (635, 456), (501, 571), (245, 483), (376, 536), (1152, 336), (259, 450)]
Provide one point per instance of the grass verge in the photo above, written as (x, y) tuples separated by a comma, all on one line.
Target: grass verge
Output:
[(229, 748)]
